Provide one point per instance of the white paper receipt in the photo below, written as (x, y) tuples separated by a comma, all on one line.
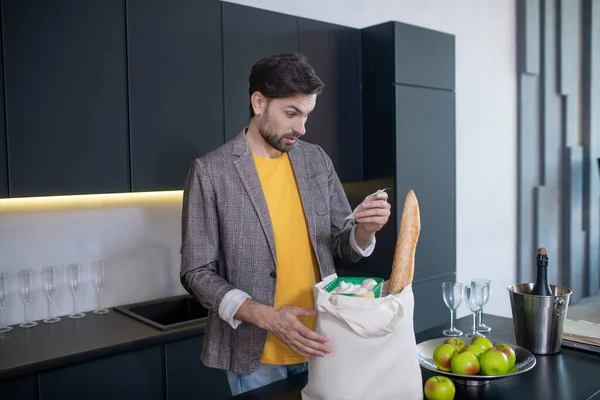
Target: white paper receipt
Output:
[(372, 196)]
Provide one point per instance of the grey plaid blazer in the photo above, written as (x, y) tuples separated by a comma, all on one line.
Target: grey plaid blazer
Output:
[(227, 239)]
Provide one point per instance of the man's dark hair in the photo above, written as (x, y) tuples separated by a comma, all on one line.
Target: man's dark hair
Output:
[(284, 75)]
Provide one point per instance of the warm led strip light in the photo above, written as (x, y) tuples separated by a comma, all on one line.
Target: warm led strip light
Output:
[(89, 201)]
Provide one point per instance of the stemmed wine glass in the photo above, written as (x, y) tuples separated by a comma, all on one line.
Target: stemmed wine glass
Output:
[(474, 300), (48, 285), (25, 280), (98, 279), (74, 280), (453, 294), (3, 279), (487, 291)]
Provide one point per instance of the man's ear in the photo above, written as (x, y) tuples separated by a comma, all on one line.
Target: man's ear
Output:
[(259, 103)]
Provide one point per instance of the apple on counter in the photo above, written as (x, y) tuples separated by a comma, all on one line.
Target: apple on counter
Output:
[(510, 354), (493, 362), (465, 363), (480, 357), (482, 341), (459, 344), (439, 388), (477, 350), (442, 356)]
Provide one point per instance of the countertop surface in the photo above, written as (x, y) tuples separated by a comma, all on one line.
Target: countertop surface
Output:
[(69, 341), (569, 375)]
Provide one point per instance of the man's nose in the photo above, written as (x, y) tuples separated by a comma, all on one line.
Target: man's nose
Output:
[(299, 127)]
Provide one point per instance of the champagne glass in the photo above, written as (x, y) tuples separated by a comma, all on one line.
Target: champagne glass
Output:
[(74, 280), (48, 285), (487, 291), (25, 280), (98, 279), (3, 285), (474, 300), (453, 294)]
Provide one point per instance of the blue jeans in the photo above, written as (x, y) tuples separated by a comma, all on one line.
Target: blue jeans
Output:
[(262, 376)]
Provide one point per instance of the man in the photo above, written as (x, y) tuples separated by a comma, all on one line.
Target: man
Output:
[(263, 219)]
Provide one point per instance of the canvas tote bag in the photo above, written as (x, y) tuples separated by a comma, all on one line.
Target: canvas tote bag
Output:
[(373, 347)]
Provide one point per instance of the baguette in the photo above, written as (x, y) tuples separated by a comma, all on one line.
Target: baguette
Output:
[(403, 264)]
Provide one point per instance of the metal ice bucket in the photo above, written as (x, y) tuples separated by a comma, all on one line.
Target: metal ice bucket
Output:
[(539, 320)]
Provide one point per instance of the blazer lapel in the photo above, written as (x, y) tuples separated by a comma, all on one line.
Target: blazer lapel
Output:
[(249, 176), (299, 166)]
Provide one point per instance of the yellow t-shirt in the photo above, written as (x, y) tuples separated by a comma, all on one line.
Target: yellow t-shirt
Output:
[(297, 267)]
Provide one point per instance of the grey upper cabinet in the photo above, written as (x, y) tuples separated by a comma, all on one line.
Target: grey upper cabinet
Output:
[(409, 137), (66, 97), (432, 62), (249, 34), (176, 88), (336, 123), (425, 153), (3, 155)]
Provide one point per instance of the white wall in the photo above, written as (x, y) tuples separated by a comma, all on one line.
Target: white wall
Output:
[(138, 235), (485, 125)]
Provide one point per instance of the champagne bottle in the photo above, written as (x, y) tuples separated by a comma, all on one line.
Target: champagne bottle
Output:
[(541, 286)]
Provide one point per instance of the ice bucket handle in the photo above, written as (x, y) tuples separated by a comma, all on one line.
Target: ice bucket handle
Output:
[(559, 306)]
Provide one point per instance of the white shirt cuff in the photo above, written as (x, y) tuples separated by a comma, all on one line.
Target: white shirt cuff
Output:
[(230, 304), (366, 252)]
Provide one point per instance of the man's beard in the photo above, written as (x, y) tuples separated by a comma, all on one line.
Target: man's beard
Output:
[(276, 142)]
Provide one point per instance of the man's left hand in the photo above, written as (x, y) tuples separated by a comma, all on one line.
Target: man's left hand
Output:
[(373, 216)]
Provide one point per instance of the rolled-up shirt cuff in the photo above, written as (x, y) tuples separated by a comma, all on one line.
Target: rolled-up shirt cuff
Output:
[(230, 304), (366, 252)]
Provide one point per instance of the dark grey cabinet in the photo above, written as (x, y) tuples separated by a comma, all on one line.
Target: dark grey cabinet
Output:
[(432, 57), (250, 34), (131, 375), (170, 371), (425, 153), (66, 97), (3, 154), (22, 388), (430, 309), (409, 138), (119, 96), (187, 377), (176, 88), (336, 123)]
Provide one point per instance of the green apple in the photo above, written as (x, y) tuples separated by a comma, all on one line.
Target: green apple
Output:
[(477, 350), (493, 362), (509, 352), (439, 388), (483, 342), (459, 344), (465, 363), (442, 356), (512, 370)]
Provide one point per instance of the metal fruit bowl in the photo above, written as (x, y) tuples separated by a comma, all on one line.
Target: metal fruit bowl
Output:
[(524, 362)]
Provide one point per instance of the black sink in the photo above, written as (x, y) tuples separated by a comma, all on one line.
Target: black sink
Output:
[(168, 313)]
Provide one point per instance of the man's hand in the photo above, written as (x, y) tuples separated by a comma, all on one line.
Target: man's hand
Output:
[(285, 324), (373, 216)]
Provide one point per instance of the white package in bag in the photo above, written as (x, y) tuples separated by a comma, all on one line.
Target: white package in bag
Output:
[(373, 347)]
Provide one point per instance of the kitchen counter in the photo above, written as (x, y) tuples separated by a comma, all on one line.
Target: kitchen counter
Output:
[(70, 341), (570, 375)]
